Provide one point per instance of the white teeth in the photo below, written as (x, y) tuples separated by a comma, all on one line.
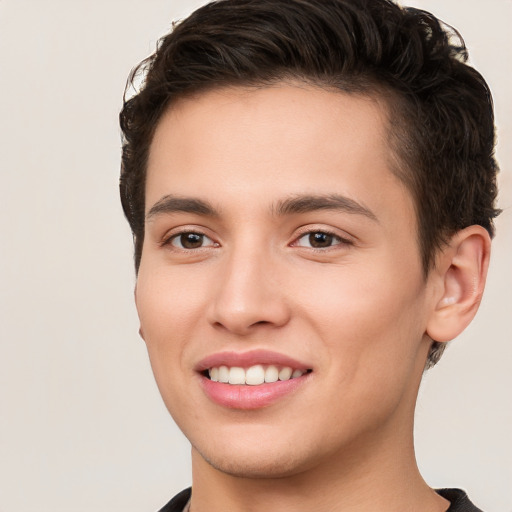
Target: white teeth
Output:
[(271, 374), (224, 374), (253, 376), (214, 374), (236, 375), (285, 373)]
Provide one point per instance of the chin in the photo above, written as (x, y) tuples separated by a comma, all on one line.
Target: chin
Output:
[(254, 467), (259, 456)]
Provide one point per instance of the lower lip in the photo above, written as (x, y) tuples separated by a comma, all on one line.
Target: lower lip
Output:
[(250, 397)]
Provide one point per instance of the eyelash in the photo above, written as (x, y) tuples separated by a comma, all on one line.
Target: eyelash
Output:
[(296, 243), (310, 232), (177, 236)]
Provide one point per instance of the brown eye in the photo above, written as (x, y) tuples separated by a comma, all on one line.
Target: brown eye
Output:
[(191, 240), (319, 240)]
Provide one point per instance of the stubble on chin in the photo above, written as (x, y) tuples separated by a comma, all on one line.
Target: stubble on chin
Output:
[(256, 466)]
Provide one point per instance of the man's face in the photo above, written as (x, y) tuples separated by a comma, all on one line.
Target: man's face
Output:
[(279, 241)]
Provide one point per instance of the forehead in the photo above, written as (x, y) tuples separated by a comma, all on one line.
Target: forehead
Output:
[(286, 139)]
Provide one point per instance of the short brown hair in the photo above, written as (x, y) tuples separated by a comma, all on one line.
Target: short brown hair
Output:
[(441, 112)]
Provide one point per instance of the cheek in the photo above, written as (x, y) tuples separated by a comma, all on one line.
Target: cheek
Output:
[(169, 309), (167, 300), (372, 338), (161, 325), (369, 320)]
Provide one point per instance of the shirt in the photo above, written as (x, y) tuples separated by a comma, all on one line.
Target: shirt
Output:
[(459, 501)]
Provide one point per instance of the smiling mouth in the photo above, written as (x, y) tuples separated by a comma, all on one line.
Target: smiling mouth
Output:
[(254, 375)]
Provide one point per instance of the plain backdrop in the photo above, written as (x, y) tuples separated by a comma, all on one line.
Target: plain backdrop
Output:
[(82, 427)]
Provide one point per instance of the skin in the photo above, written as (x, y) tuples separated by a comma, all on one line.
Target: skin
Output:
[(356, 311)]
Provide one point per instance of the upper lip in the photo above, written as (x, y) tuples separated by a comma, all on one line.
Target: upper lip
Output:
[(248, 359)]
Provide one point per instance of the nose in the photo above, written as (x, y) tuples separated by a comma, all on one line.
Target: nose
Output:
[(249, 294)]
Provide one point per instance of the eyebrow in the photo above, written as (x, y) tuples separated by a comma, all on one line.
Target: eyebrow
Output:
[(310, 203), (293, 205), (174, 204)]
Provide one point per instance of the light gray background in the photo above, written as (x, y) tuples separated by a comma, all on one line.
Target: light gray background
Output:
[(82, 427)]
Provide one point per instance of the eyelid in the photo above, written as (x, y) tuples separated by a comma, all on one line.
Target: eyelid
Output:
[(204, 238), (174, 233), (343, 239)]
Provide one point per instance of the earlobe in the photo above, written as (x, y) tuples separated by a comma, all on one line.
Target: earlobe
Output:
[(461, 270)]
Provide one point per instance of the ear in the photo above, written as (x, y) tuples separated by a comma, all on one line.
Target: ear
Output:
[(141, 332), (460, 274)]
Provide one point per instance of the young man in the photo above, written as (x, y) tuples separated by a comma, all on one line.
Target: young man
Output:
[(311, 189)]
